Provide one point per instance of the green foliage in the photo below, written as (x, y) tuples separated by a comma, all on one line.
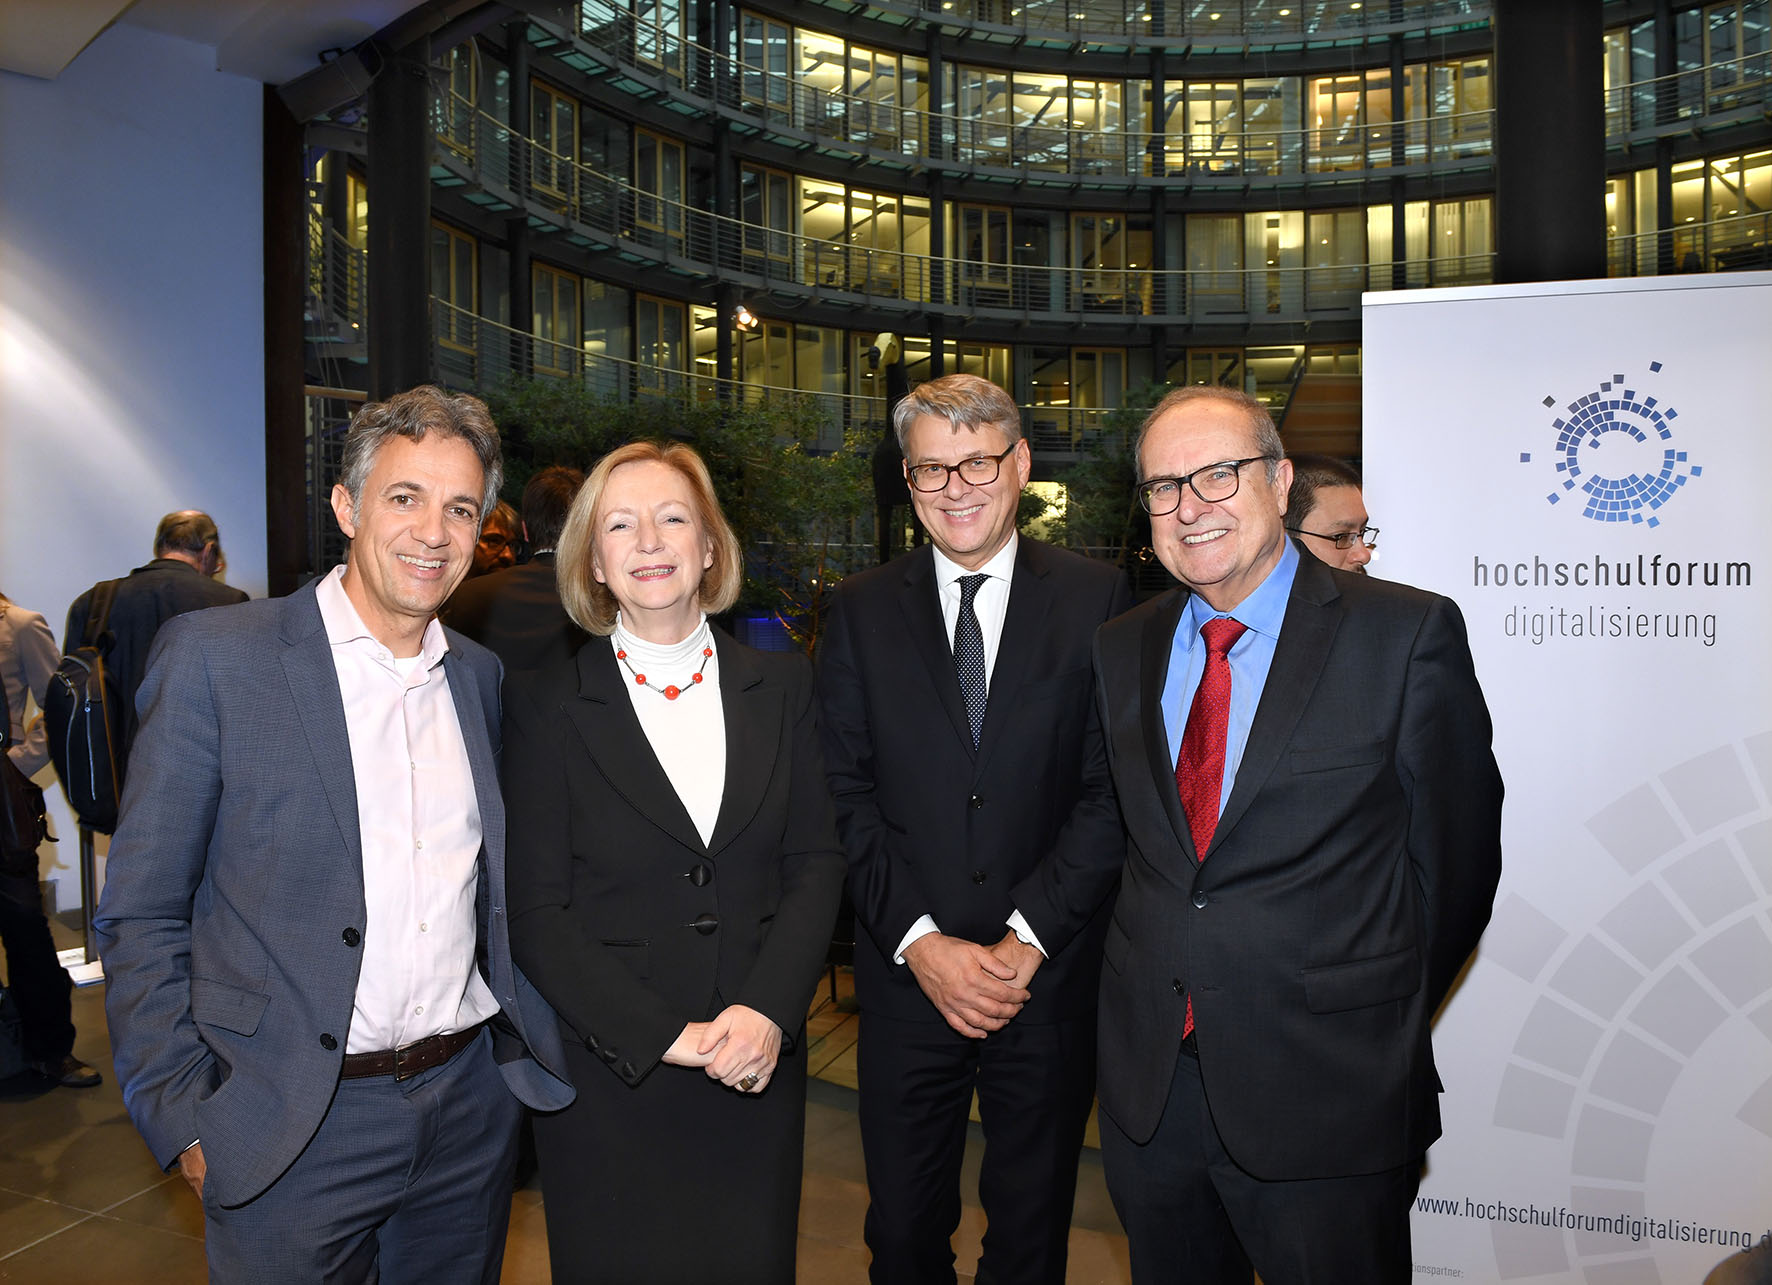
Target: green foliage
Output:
[(793, 508), (1101, 512)]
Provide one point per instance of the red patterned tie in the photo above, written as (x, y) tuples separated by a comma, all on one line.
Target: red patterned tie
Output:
[(1199, 768)]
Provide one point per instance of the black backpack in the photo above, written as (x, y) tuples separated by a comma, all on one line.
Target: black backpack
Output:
[(84, 714)]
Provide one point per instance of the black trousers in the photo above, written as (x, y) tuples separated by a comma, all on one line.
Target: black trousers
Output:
[(1035, 1082), (40, 986), (1192, 1213)]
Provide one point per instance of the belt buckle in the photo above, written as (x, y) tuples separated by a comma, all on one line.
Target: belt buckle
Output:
[(409, 1053)]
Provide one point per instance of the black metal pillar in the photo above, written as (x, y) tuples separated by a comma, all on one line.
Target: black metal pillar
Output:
[(285, 254), (1550, 141), (400, 142)]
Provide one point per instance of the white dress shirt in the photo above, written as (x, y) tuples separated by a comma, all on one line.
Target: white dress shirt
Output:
[(991, 605), (419, 820)]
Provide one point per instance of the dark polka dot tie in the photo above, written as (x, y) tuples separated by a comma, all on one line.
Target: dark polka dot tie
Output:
[(969, 654), (1199, 767)]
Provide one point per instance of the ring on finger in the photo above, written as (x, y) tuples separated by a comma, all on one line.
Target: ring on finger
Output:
[(749, 1082)]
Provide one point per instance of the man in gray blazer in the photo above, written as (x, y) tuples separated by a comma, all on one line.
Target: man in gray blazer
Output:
[(312, 1004)]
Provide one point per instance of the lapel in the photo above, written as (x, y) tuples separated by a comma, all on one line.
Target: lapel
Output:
[(1155, 649), (1030, 599), (1312, 617), (753, 710), (920, 600), (476, 735), (314, 691), (604, 717)]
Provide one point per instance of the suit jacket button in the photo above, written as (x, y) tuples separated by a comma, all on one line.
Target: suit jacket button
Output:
[(975, 802), (701, 874), (1180, 986), (1199, 901), (352, 936), (978, 876), (328, 1043), (706, 923)]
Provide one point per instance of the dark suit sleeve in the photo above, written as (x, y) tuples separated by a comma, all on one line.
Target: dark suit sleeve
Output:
[(616, 1015), (1064, 891), (887, 897), (785, 973), (156, 863), (1454, 790)]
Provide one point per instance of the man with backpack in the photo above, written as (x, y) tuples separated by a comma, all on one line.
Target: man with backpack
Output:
[(187, 551)]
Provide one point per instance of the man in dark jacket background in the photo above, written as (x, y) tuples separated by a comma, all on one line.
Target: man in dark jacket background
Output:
[(187, 553)]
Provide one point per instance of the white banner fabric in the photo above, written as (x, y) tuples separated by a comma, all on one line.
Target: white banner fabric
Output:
[(1584, 467)]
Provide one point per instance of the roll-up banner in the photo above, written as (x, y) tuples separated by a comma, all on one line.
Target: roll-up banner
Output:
[(1586, 468)]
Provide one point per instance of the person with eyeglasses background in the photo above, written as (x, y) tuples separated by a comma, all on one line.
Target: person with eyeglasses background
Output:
[(1326, 508)]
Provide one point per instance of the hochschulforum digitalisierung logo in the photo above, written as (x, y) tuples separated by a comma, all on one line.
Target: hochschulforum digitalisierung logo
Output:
[(1616, 455)]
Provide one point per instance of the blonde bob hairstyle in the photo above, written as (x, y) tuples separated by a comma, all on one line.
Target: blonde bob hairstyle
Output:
[(588, 601)]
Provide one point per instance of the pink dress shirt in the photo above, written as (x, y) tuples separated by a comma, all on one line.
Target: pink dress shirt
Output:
[(419, 819)]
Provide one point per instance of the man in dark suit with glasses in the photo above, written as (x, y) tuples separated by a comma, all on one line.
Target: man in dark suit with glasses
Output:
[(972, 794)]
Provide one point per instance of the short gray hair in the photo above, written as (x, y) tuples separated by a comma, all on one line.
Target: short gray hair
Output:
[(1261, 424), (964, 401), (413, 414)]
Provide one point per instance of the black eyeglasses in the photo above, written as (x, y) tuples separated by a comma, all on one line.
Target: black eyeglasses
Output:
[(1213, 483), (980, 470), (1344, 540)]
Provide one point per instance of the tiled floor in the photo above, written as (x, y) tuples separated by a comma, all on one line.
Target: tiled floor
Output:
[(82, 1203)]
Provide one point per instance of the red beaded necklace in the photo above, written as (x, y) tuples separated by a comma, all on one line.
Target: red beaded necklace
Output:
[(673, 691)]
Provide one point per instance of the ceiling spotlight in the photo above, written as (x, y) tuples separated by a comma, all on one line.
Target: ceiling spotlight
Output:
[(744, 318)]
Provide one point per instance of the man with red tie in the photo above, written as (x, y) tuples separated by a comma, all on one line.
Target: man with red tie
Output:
[(1302, 760)]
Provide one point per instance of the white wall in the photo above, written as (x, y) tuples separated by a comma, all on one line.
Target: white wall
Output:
[(131, 323)]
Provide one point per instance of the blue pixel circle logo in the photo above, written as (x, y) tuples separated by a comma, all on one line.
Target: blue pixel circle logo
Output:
[(1615, 453)]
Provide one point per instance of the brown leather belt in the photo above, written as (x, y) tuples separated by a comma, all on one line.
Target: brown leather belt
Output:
[(409, 1059)]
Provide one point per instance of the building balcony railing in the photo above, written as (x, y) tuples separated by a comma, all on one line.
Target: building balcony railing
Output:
[(1721, 245), (1143, 21), (482, 354), (601, 212), (1718, 93), (786, 106), (335, 308), (471, 351)]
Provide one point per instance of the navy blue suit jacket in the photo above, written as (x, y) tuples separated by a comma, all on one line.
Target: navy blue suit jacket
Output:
[(234, 900)]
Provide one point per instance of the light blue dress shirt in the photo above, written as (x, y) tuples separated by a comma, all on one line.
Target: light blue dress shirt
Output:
[(1262, 613)]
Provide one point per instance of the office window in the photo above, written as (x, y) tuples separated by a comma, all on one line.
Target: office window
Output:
[(981, 105), (1335, 253), (1463, 238), (605, 322), (981, 247), (660, 344), (1333, 108), (553, 127), (987, 361), (1212, 119), (1214, 263), (658, 183), (457, 104), (765, 48), (556, 320), (874, 98), (659, 35), (821, 80), (766, 206), (455, 280), (1272, 126), (1274, 249), (1461, 103)]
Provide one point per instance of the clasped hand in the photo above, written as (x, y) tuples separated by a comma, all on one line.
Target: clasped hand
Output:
[(740, 1042), (978, 989)]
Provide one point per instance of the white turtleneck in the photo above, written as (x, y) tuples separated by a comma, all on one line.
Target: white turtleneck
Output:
[(687, 734)]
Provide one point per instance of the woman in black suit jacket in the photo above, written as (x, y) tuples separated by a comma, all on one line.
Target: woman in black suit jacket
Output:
[(674, 873)]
